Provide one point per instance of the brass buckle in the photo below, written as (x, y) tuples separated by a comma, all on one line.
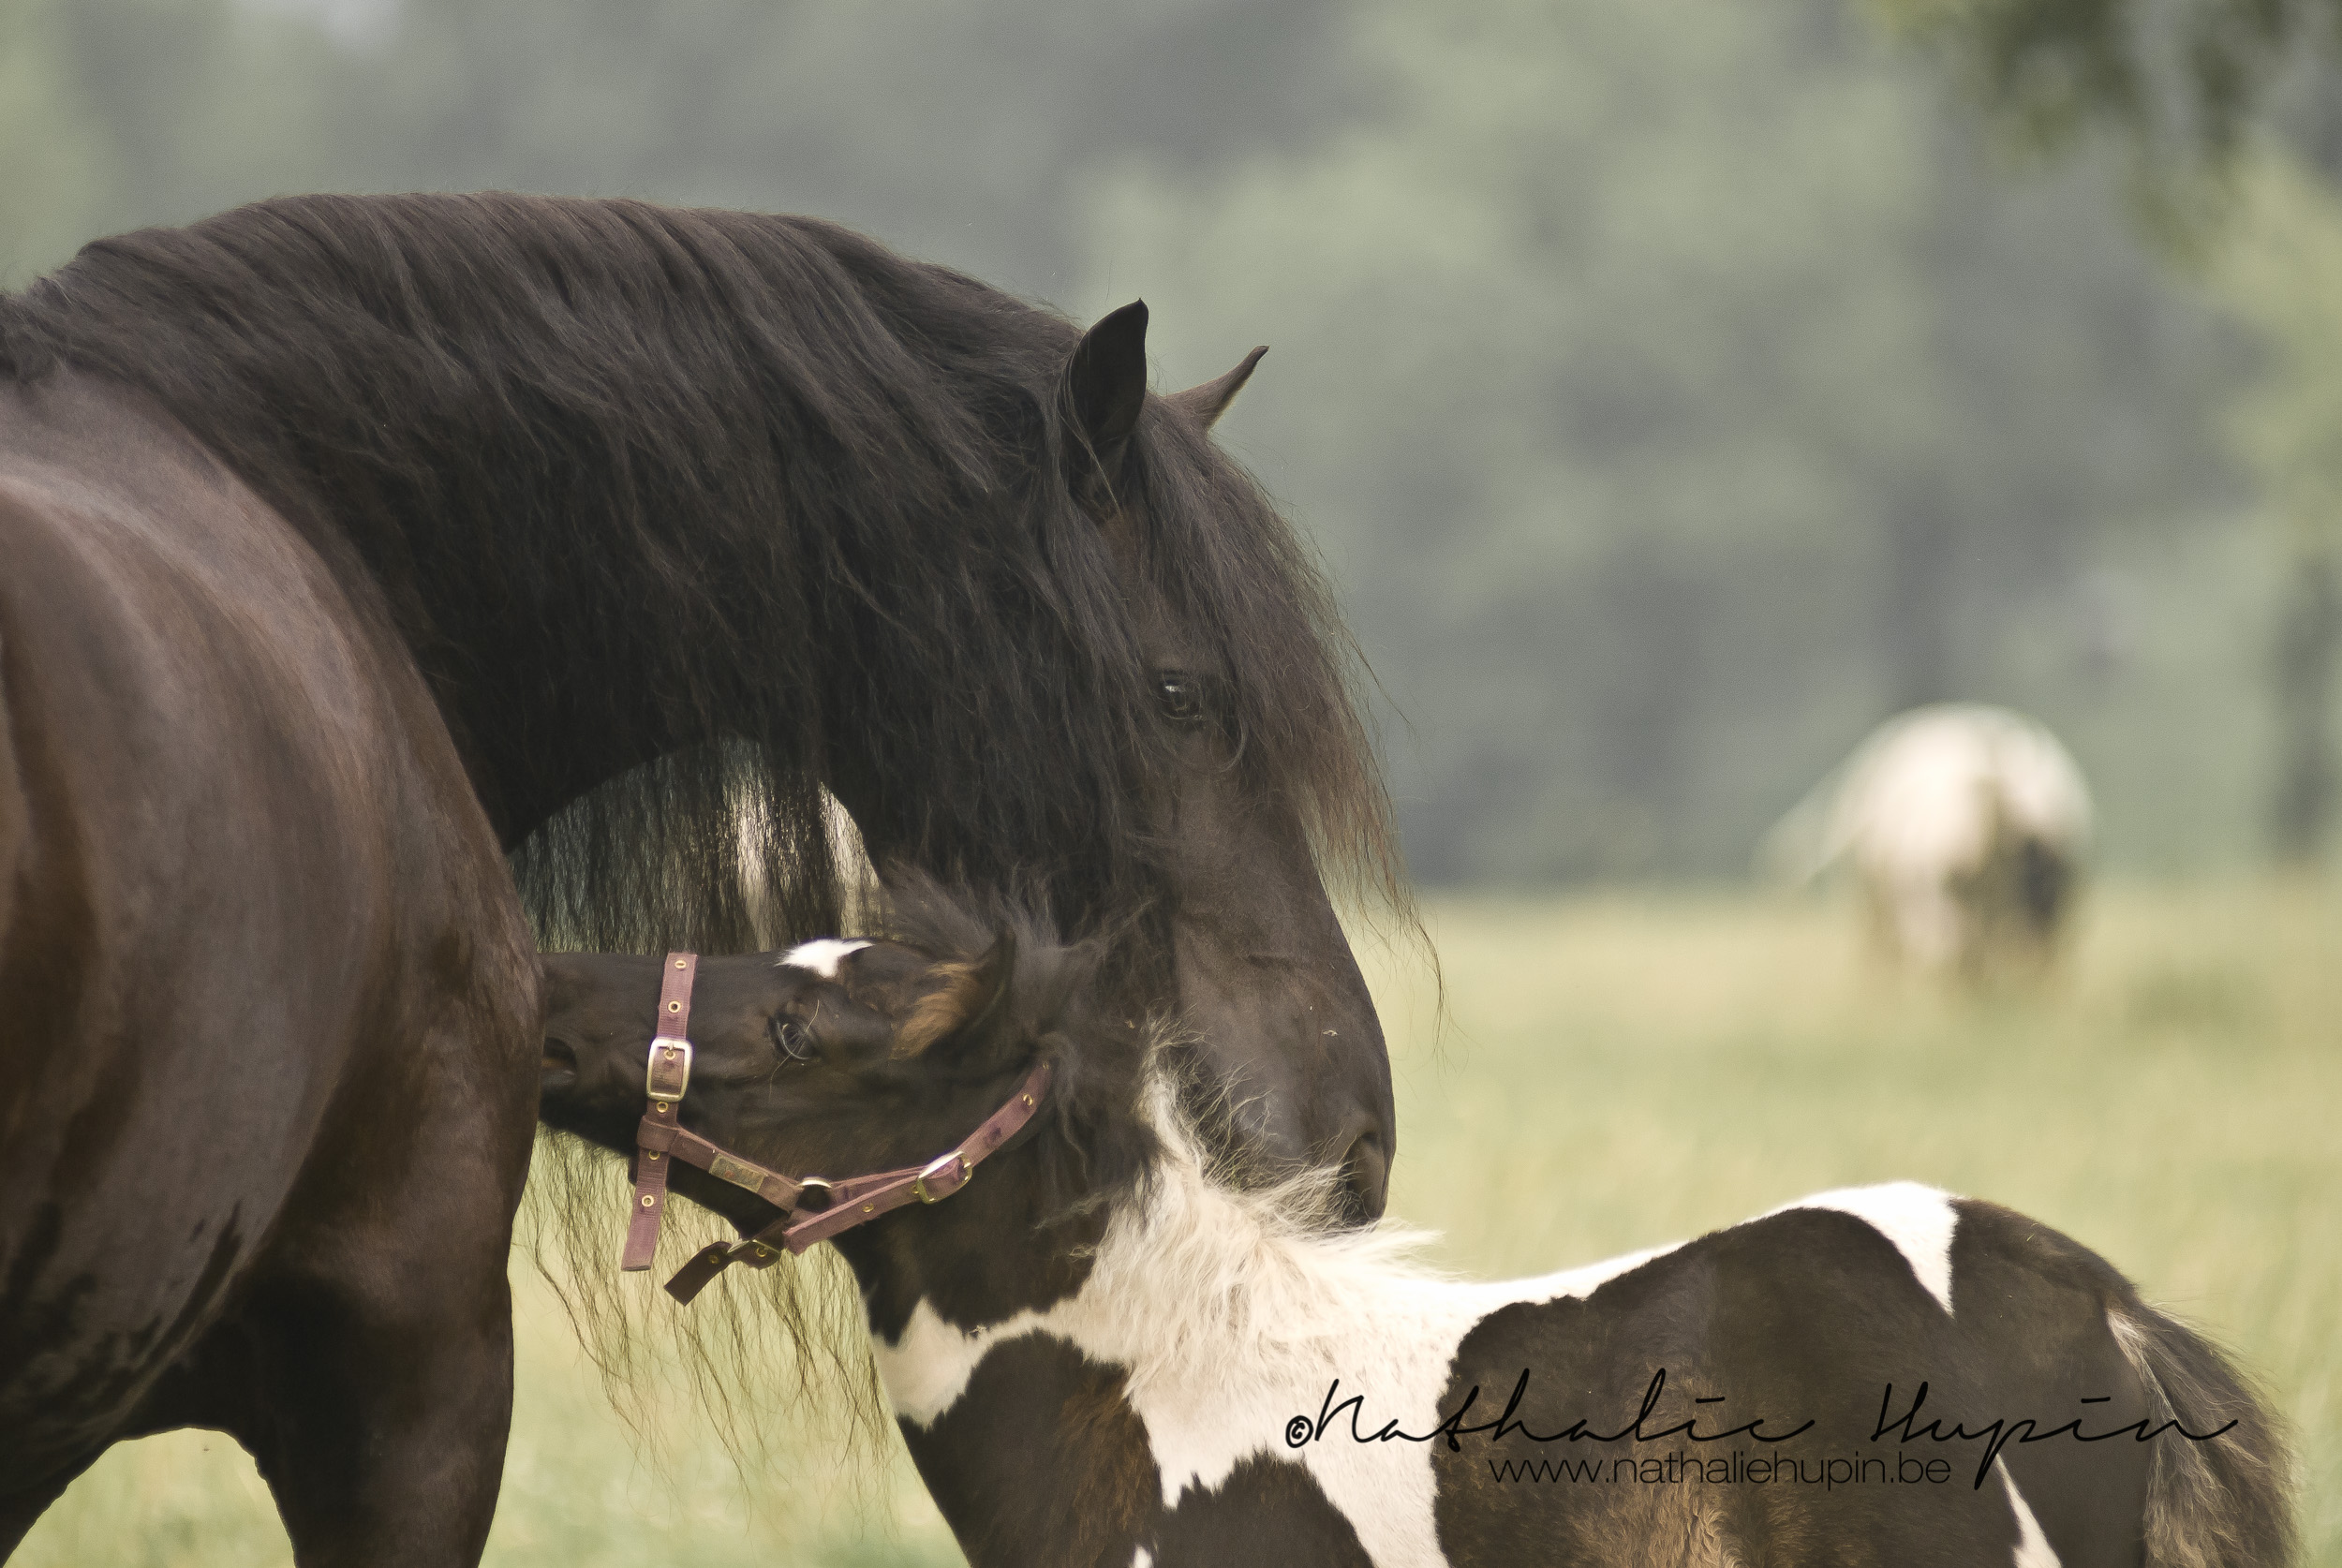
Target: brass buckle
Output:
[(651, 1065), (919, 1183), (761, 1255)]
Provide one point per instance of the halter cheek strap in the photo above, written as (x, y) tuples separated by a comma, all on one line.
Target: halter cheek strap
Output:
[(665, 1075)]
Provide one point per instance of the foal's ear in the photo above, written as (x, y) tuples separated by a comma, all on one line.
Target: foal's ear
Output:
[(971, 998), (1105, 387), (1206, 402)]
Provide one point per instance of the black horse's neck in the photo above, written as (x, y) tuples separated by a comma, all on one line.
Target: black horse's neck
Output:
[(687, 514), (706, 507)]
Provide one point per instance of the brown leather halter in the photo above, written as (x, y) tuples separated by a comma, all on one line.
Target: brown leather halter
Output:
[(830, 1206)]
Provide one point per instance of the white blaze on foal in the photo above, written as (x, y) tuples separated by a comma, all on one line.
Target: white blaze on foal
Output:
[(821, 956)]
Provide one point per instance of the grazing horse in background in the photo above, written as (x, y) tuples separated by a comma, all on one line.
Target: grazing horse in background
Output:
[(1967, 827), (351, 546), (1099, 1351)]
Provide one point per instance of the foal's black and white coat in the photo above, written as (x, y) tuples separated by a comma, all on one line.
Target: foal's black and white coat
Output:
[(1103, 1351)]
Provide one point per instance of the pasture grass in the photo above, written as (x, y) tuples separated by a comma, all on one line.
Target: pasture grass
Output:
[(1617, 1070)]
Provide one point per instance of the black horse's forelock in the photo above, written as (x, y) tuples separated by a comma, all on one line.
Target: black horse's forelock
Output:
[(762, 469)]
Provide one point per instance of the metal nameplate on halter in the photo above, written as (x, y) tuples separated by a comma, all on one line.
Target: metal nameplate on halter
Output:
[(657, 1070), (936, 1168), (725, 1168)]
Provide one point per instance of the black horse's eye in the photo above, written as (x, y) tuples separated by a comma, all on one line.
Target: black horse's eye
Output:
[(791, 1039), (1180, 695)]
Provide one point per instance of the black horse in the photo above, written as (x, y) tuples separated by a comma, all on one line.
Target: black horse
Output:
[(349, 545), (1101, 1353)]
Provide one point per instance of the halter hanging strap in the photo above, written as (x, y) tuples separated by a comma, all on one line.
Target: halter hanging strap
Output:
[(666, 1075)]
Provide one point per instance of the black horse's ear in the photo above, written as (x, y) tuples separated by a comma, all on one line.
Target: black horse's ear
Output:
[(970, 996), (1204, 403), (1105, 386)]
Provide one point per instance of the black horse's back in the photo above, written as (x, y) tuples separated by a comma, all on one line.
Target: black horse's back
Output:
[(246, 864)]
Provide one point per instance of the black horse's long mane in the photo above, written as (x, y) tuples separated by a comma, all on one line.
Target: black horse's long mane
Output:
[(661, 498)]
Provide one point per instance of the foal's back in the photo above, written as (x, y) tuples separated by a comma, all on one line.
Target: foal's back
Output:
[(1882, 1375), (1880, 1322)]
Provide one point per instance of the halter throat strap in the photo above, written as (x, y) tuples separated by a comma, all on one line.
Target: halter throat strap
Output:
[(823, 1208)]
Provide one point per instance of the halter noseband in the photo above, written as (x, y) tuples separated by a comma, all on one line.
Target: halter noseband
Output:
[(831, 1207)]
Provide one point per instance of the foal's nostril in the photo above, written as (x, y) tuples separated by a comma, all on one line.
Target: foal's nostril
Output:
[(559, 1057)]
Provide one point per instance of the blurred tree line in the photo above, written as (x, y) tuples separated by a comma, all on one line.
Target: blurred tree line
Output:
[(1676, 391), (2230, 112)]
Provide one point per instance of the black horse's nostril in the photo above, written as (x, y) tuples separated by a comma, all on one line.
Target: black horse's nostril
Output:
[(559, 1057)]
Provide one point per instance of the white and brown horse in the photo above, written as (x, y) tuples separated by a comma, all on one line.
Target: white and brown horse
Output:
[(1967, 827), (1102, 1351)]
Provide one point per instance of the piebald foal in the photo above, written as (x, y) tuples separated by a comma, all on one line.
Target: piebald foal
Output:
[(1101, 1351)]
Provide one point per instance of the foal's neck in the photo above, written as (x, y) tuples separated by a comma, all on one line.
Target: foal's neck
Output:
[(1021, 1362), (976, 1259), (1009, 1429)]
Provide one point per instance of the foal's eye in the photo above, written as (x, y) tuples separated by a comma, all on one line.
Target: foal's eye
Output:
[(791, 1039), (1180, 695)]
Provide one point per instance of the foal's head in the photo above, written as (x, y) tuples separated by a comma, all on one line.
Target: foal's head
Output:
[(842, 1057)]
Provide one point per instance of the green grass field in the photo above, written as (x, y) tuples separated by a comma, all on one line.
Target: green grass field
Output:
[(1617, 1071)]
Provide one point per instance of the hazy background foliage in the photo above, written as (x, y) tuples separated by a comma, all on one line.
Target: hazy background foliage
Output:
[(1675, 390)]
